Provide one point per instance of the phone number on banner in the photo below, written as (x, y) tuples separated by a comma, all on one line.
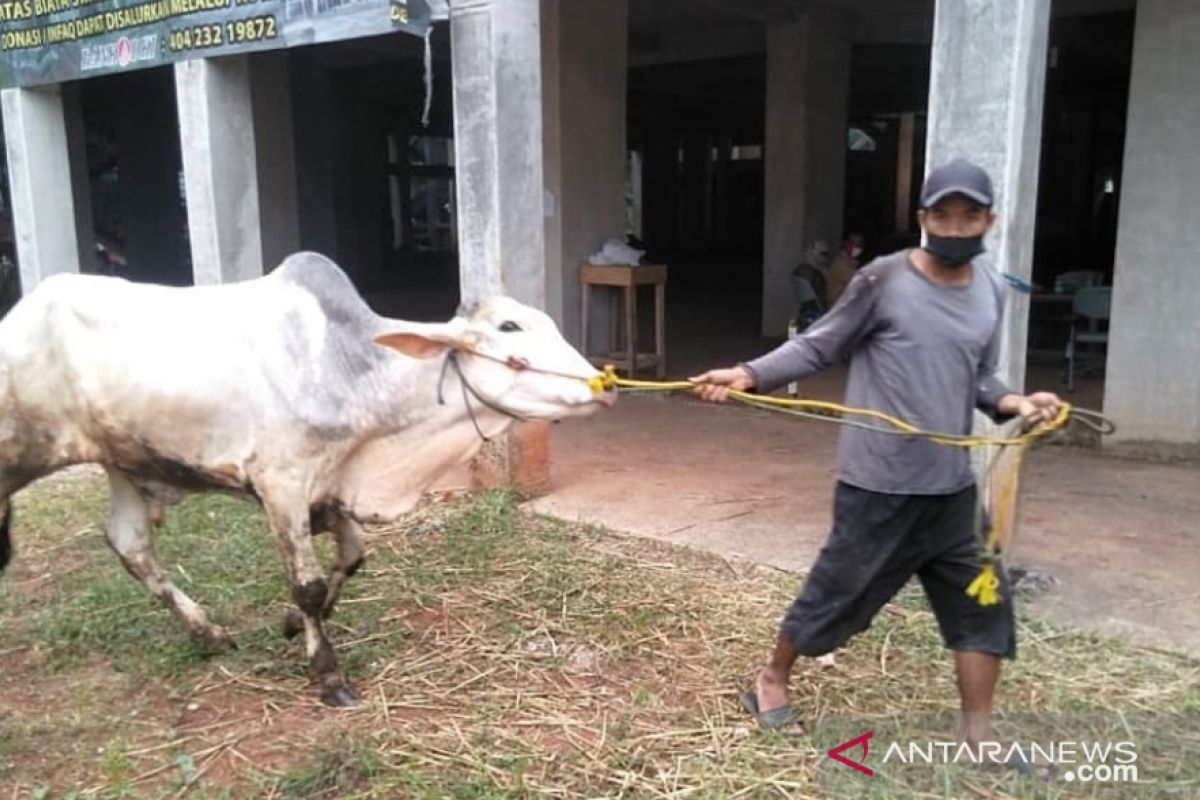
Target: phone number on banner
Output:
[(241, 31)]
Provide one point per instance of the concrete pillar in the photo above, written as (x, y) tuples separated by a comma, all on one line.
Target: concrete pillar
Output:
[(152, 218), (987, 85), (552, 158), (521, 458), (808, 86), (271, 98), (216, 129), (39, 179), (584, 49), (497, 74), (1152, 386)]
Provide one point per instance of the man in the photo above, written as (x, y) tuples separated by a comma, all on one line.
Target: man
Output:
[(808, 284), (922, 328), (843, 267)]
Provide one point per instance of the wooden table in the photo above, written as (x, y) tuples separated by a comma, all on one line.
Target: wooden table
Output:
[(626, 279)]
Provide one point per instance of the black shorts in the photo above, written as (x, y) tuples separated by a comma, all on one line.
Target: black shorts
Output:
[(878, 542)]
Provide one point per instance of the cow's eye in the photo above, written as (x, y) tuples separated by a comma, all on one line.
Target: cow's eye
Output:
[(509, 327)]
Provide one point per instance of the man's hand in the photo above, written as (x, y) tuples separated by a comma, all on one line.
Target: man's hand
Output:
[(1035, 408), (715, 385)]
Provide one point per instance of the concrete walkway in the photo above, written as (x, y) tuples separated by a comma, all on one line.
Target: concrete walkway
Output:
[(1120, 537)]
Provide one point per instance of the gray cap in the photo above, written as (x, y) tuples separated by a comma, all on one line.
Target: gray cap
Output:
[(957, 177)]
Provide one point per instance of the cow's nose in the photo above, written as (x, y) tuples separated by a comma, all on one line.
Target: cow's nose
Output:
[(608, 397)]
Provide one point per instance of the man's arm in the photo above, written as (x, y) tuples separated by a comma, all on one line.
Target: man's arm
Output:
[(990, 389), (823, 343), (994, 398), (847, 322)]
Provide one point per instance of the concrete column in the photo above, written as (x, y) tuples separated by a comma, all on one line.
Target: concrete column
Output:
[(271, 96), (216, 128), (497, 73), (552, 156), (585, 45), (39, 179), (520, 458), (1152, 387), (808, 86), (987, 85)]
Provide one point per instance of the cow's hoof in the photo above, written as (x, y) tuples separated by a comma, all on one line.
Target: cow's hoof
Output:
[(293, 624), (217, 641), (340, 696)]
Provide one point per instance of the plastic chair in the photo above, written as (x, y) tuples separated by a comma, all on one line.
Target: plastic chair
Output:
[(1090, 307)]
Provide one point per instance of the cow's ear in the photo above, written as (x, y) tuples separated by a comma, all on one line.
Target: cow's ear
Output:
[(428, 341), (412, 344)]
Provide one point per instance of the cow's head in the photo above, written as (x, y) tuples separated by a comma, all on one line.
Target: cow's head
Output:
[(513, 357)]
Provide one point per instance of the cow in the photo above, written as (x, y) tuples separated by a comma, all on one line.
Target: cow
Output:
[(287, 389)]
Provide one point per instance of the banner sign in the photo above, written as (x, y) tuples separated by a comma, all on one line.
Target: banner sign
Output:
[(50, 41)]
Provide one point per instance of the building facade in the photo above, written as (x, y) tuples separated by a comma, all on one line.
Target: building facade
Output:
[(494, 144)]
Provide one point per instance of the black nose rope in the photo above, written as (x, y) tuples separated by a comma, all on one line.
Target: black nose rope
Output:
[(467, 391)]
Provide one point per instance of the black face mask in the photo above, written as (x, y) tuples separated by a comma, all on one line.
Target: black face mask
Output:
[(953, 251)]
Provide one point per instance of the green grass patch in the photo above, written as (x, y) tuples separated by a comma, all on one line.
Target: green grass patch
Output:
[(503, 655)]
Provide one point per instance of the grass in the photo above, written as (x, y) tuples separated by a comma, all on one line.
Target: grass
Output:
[(503, 655)]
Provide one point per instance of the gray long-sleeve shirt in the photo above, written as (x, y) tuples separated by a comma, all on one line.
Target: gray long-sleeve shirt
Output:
[(922, 351)]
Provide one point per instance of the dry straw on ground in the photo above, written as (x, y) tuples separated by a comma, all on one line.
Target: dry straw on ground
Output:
[(497, 654)]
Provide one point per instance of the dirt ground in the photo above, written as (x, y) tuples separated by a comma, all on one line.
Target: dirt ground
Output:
[(500, 654), (1114, 540)]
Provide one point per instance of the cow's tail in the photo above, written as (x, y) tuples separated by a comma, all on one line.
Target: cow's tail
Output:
[(5, 541)]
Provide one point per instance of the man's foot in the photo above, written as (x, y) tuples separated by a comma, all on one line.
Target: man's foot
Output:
[(997, 754), (772, 689), (783, 719), (768, 704)]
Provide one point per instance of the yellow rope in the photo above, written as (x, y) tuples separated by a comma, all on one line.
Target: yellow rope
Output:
[(985, 588), (610, 379)]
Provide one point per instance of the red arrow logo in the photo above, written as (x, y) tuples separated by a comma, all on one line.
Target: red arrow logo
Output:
[(836, 753)]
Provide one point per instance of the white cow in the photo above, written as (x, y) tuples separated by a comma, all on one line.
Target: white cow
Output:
[(277, 388)]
